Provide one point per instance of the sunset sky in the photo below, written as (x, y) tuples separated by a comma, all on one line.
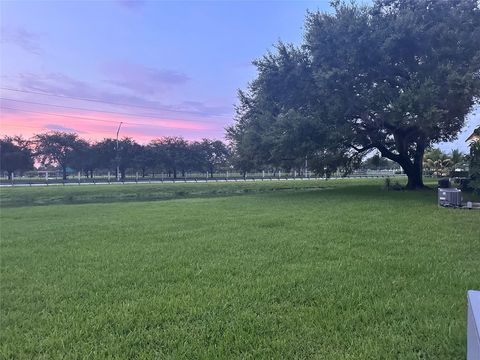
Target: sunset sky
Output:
[(163, 68)]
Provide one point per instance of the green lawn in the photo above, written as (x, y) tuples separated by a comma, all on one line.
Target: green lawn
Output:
[(338, 271)]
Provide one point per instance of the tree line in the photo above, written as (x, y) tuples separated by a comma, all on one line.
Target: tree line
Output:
[(172, 155)]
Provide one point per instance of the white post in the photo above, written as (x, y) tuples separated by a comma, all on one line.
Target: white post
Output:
[(46, 175), (263, 173), (136, 177), (79, 174)]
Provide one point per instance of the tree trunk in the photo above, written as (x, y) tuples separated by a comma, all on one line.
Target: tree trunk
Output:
[(415, 180), (414, 172), (174, 173), (413, 167), (64, 172)]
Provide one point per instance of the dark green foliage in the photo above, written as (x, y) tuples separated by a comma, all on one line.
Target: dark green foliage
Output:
[(127, 156), (172, 154), (211, 154), (58, 148), (396, 76), (474, 166), (15, 155), (377, 162)]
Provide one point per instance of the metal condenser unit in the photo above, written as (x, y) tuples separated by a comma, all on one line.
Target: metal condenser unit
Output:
[(449, 197)]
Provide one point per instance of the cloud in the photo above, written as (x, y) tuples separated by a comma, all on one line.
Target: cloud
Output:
[(57, 127), (28, 123), (54, 83), (142, 79), (150, 110), (21, 37), (131, 4)]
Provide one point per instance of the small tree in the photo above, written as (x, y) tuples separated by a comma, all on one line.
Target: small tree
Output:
[(57, 148), (15, 155), (213, 153), (172, 154), (474, 165)]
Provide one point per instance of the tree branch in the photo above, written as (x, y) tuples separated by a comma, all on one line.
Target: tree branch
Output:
[(363, 149)]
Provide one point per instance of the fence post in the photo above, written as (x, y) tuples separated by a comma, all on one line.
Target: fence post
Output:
[(46, 177), (79, 178)]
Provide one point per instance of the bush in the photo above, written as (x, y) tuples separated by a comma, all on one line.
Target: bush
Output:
[(388, 183), (475, 166), (444, 183)]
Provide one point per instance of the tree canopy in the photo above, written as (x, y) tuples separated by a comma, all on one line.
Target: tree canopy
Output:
[(15, 155), (396, 76), (58, 148)]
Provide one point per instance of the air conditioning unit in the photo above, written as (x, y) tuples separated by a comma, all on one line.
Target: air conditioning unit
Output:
[(473, 325), (449, 197)]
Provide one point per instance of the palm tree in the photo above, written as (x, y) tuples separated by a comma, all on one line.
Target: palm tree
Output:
[(458, 159)]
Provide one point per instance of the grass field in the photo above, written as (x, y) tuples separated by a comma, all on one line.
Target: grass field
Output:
[(319, 270)]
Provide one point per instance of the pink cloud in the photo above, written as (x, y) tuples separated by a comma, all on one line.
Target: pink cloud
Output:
[(13, 122)]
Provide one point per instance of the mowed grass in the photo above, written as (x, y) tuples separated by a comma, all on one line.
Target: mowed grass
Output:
[(349, 272), (82, 194)]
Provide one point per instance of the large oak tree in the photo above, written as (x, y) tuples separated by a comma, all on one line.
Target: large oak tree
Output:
[(396, 76)]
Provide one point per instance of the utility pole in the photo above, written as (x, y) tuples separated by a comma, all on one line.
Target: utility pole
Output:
[(117, 158)]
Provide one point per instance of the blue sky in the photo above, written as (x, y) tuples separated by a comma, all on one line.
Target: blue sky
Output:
[(179, 63), (186, 58)]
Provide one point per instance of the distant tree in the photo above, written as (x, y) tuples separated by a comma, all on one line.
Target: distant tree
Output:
[(145, 159), (58, 148), (474, 161), (128, 151), (396, 76), (172, 154), (126, 157), (15, 155), (213, 153), (377, 162), (84, 158), (105, 154), (458, 159), (242, 159)]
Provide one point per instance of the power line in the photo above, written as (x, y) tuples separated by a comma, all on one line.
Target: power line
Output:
[(95, 110), (111, 102), (23, 126), (87, 118)]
